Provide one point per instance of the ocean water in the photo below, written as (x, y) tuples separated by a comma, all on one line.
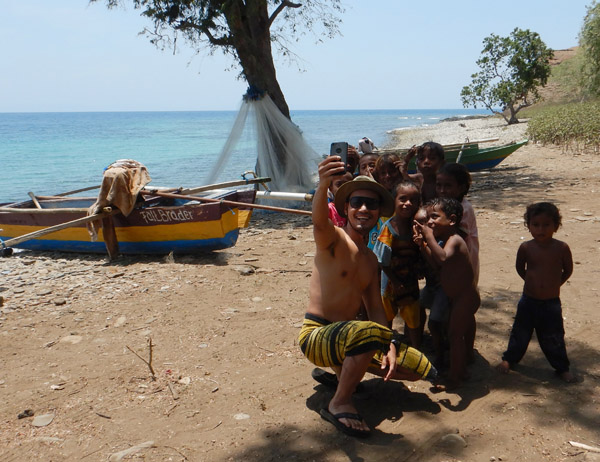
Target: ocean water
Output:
[(49, 153)]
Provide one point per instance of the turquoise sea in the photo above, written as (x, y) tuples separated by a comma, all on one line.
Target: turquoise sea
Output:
[(49, 153)]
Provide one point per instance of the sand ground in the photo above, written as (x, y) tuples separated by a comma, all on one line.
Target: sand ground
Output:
[(230, 382)]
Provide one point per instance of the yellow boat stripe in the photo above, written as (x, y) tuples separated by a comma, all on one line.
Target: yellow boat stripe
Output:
[(172, 232)]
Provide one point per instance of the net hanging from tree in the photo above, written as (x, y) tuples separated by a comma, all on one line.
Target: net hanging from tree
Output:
[(282, 153)]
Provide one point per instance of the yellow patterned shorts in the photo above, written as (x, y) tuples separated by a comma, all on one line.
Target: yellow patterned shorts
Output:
[(326, 344)]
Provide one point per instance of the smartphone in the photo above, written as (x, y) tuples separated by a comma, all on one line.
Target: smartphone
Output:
[(340, 149)]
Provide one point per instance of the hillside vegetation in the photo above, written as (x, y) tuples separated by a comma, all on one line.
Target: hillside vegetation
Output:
[(562, 117)]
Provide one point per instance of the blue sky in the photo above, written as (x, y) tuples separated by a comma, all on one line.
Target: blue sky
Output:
[(66, 55)]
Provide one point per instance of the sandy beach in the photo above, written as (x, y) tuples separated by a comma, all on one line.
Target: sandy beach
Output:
[(459, 131), (230, 382)]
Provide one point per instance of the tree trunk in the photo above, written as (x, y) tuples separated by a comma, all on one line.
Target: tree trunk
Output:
[(513, 116), (249, 26)]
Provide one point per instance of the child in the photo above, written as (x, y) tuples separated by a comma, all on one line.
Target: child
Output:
[(454, 180), (334, 216), (427, 296), (430, 157), (387, 175), (545, 264), (445, 248), (399, 258), (386, 171), (366, 165)]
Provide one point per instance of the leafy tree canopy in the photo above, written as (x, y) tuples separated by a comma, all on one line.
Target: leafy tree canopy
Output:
[(589, 41), (511, 71), (247, 30)]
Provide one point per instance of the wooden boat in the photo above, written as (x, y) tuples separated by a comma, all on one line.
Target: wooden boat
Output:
[(473, 156), (158, 226)]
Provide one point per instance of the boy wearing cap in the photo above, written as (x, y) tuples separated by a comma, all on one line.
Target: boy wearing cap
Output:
[(345, 272)]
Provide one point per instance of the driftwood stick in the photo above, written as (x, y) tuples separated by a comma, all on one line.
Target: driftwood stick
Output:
[(149, 361)]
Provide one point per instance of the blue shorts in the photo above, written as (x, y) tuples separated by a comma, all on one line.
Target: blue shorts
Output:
[(434, 298)]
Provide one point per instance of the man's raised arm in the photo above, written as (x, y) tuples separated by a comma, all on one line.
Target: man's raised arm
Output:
[(323, 228)]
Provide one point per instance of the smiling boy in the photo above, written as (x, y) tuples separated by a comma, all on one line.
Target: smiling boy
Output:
[(447, 250)]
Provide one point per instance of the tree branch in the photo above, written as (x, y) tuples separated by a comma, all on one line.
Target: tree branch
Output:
[(280, 8), (217, 41)]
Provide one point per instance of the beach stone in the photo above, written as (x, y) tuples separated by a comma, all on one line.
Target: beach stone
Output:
[(244, 270), (118, 456), (72, 339), (26, 413), (120, 321), (42, 420), (241, 416), (59, 301), (453, 441)]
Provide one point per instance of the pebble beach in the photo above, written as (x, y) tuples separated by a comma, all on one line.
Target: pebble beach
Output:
[(458, 131)]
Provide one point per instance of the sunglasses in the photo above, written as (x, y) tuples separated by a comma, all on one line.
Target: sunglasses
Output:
[(357, 202)]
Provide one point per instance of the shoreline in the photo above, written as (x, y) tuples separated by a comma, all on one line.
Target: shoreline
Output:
[(457, 131)]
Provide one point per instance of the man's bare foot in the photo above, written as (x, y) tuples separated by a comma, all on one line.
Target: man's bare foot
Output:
[(568, 377), (503, 367)]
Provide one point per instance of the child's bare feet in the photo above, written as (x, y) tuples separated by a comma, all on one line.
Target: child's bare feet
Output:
[(568, 377), (503, 367)]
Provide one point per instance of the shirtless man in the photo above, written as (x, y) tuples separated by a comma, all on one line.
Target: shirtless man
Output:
[(345, 272), (447, 250)]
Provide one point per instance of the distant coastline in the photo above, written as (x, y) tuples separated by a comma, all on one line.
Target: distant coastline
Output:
[(457, 130)]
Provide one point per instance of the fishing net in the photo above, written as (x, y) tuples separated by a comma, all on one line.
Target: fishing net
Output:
[(282, 153)]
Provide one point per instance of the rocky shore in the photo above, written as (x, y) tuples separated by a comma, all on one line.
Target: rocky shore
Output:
[(457, 131)]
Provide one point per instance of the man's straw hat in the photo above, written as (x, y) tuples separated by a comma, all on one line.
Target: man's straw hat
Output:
[(386, 206)]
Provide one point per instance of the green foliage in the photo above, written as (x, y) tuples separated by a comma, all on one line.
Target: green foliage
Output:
[(575, 126), (511, 71), (213, 24), (567, 77), (589, 41)]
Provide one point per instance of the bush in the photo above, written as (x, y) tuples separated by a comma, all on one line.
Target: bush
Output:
[(573, 126)]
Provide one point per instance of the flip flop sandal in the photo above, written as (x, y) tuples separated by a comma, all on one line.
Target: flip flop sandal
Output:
[(331, 381), (335, 420)]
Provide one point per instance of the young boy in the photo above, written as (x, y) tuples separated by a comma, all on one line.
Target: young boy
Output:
[(447, 250), (366, 165), (545, 264), (430, 157)]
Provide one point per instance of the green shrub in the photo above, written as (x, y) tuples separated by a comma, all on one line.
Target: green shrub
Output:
[(573, 126)]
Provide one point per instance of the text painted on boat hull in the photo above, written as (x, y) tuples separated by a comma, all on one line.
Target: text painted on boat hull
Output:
[(166, 216)]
